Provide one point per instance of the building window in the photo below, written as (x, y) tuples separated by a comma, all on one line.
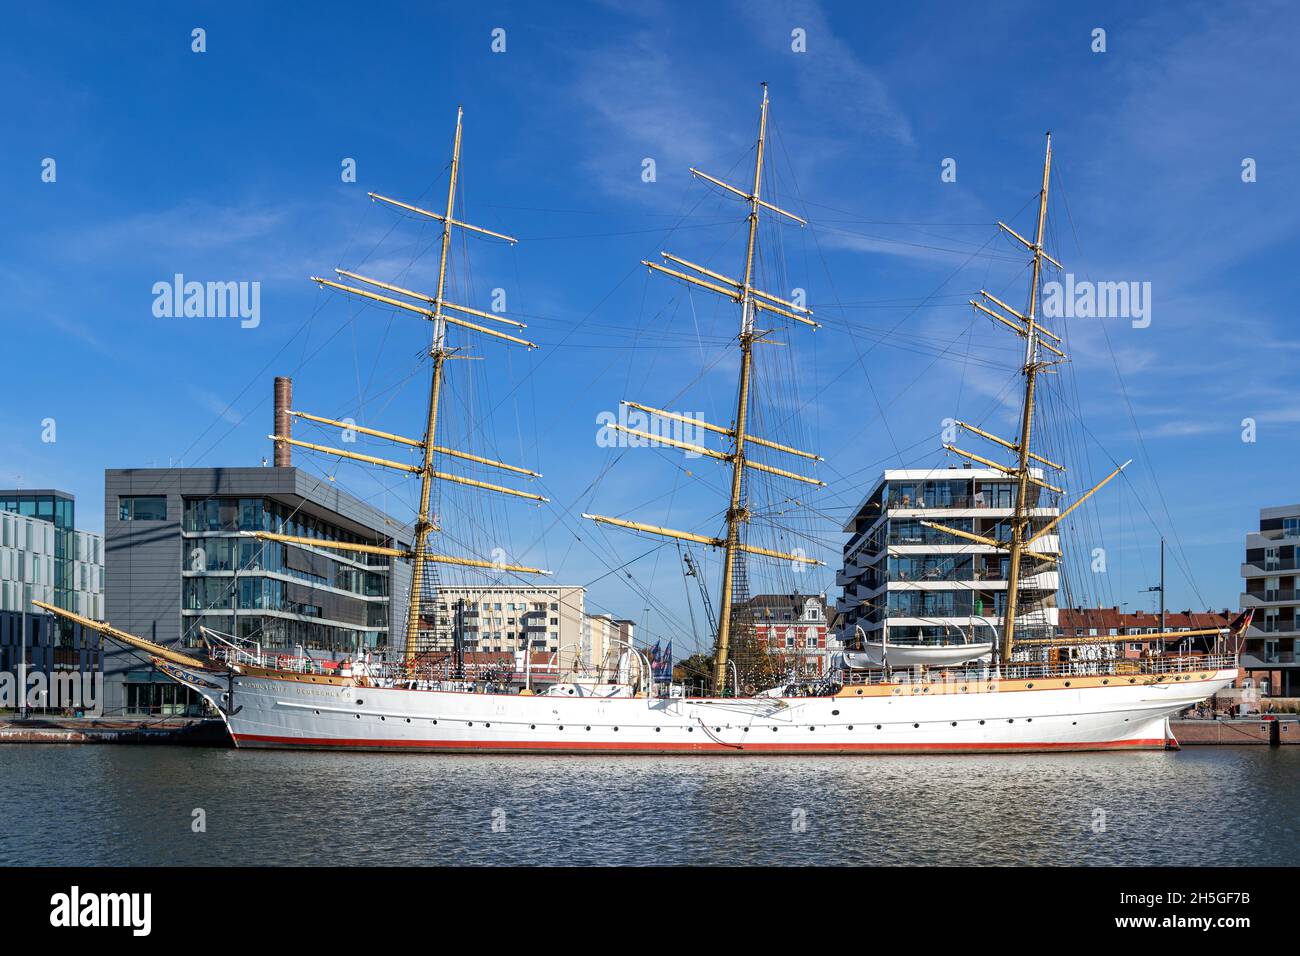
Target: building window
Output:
[(142, 508)]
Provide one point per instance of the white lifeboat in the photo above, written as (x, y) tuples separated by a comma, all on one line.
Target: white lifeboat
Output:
[(880, 653)]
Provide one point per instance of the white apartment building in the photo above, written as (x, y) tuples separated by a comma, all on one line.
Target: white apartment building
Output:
[(505, 618), (911, 583)]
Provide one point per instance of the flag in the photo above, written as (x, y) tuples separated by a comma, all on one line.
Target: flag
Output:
[(661, 664)]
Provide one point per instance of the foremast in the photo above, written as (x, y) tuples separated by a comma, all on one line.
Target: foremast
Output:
[(435, 309), (752, 301), (1037, 339)]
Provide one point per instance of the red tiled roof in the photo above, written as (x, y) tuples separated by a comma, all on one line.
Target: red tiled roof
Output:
[(1104, 618)]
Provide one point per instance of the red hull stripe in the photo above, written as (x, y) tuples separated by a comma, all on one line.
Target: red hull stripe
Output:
[(545, 746)]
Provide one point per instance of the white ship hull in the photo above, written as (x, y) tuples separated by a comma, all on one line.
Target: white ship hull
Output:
[(1059, 714)]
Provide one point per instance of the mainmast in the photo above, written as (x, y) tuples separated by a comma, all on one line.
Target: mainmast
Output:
[(440, 352), (1036, 337), (751, 300)]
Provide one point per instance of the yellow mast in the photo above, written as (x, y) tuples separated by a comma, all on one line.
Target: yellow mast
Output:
[(752, 301), (737, 513), (1028, 327), (1020, 517), (439, 352), (427, 445)]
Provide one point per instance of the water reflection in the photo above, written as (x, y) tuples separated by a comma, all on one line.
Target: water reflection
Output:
[(105, 805)]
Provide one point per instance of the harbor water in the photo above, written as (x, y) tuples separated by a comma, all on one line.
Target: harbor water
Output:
[(144, 806)]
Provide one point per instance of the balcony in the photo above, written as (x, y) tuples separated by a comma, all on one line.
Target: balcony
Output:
[(1270, 596), (1253, 569)]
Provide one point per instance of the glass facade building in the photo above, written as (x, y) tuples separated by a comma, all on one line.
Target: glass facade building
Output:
[(44, 557), (181, 557)]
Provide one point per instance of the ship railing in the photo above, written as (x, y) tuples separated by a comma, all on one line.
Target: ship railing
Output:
[(1035, 670)]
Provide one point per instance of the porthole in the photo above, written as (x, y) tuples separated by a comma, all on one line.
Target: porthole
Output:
[(408, 720), (1029, 720), (1029, 686), (690, 730), (615, 730), (916, 725), (469, 724), (589, 726), (859, 691), (316, 712), (954, 723), (717, 730), (981, 723), (360, 702), (381, 717), (811, 727), (835, 713), (532, 726), (1011, 720), (435, 720), (358, 716), (487, 725), (1074, 723), (877, 726), (656, 730), (1107, 681), (1067, 683), (561, 726), (775, 729), (850, 726)]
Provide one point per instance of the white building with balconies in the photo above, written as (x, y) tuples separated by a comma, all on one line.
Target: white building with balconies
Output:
[(905, 582), (1272, 575)]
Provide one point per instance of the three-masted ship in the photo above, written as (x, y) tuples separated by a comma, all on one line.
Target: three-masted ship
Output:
[(1013, 697)]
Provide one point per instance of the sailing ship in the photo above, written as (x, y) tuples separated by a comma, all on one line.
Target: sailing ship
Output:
[(1021, 696)]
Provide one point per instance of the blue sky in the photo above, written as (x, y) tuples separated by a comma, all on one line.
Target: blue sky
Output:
[(225, 166)]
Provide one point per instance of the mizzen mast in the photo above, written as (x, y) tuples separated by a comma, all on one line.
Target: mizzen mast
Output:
[(1036, 338), (752, 301), (427, 446)]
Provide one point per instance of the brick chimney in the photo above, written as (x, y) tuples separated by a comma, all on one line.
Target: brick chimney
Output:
[(283, 420)]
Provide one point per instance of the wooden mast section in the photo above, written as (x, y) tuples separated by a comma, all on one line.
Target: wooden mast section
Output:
[(751, 301), (427, 445), (1036, 338)]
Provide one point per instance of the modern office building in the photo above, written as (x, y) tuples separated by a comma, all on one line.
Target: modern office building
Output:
[(44, 557), (1271, 574), (179, 557), (908, 582), (793, 628)]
